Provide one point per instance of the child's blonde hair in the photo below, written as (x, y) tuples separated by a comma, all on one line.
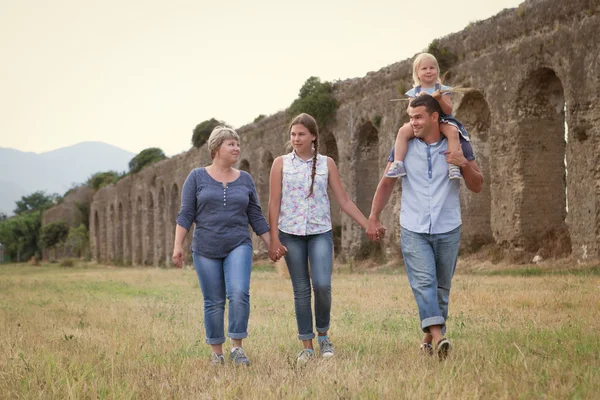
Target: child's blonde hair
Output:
[(417, 63)]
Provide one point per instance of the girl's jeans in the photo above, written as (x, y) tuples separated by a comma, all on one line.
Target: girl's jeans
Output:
[(319, 250)]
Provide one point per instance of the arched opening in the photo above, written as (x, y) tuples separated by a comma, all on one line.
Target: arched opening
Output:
[(111, 234), (540, 110), (245, 165), (119, 226), (137, 232), (328, 147), (149, 243), (474, 113), (97, 235), (104, 252), (161, 244), (366, 178), (262, 180), (174, 206), (128, 226)]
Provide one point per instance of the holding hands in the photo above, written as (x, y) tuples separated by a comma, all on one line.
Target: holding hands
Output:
[(276, 250), (375, 230)]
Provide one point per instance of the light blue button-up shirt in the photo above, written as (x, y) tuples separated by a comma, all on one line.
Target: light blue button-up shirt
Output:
[(430, 201)]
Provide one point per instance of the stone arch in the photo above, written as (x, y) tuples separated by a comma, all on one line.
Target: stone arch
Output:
[(174, 204), (161, 244), (104, 252), (128, 235), (119, 226), (245, 165), (97, 235), (262, 179), (366, 177), (540, 111), (328, 146), (475, 115), (111, 228), (138, 257), (149, 237)]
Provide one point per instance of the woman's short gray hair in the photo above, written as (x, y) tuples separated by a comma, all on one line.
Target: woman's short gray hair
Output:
[(218, 136)]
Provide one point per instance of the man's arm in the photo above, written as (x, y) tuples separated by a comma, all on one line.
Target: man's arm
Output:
[(469, 169), (380, 199)]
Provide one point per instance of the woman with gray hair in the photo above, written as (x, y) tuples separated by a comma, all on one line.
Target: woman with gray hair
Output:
[(222, 201)]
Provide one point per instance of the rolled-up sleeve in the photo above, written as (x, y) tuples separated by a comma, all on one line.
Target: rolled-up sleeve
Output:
[(187, 212), (255, 216)]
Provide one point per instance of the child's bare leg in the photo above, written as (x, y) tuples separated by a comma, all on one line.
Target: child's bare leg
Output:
[(405, 133), (453, 137)]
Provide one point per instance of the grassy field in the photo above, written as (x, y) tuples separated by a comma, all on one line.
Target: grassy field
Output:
[(101, 332)]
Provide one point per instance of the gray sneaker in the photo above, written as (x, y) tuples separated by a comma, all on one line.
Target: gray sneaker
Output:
[(426, 349), (217, 359), (305, 356), (326, 348), (454, 172), (239, 357), (396, 170)]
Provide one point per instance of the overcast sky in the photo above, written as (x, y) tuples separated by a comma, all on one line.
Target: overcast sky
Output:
[(140, 74)]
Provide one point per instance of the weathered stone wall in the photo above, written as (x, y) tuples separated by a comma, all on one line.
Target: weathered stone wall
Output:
[(534, 69)]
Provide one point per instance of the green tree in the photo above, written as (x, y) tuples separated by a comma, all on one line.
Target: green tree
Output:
[(36, 201), (77, 241), (146, 157), (19, 235), (101, 179), (53, 233), (315, 98), (202, 131), (3, 216)]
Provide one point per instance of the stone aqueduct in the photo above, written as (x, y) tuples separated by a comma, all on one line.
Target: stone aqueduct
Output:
[(534, 121)]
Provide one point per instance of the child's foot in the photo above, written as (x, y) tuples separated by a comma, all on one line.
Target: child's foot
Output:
[(454, 172), (326, 348), (305, 356), (396, 170)]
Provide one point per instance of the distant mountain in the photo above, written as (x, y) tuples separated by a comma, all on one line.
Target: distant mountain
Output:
[(55, 171)]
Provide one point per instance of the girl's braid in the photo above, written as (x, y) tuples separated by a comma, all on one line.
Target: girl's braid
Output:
[(314, 168)]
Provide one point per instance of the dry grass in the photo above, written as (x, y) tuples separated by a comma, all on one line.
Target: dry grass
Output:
[(99, 332)]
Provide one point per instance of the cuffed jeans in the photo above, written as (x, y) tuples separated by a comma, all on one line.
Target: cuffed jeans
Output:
[(319, 250), (430, 263), (225, 278)]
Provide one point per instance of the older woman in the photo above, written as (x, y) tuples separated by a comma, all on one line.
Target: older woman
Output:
[(222, 201)]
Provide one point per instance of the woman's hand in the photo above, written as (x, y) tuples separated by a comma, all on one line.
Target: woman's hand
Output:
[(178, 255), (276, 250)]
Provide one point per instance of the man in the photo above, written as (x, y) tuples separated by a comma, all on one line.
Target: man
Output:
[(430, 217)]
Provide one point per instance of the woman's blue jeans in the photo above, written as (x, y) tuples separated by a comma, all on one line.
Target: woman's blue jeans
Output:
[(318, 249), (430, 262), (225, 278)]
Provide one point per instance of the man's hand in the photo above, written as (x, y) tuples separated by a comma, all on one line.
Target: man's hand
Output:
[(456, 157), (375, 230)]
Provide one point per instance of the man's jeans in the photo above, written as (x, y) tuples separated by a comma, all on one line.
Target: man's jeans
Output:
[(319, 250), (222, 278), (430, 262)]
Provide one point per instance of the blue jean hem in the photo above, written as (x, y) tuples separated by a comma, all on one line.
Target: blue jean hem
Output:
[(427, 322), (323, 330), (215, 340), (306, 336), (243, 335)]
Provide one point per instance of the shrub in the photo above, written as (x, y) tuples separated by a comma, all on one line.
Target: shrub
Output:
[(202, 131), (67, 262), (446, 59), (146, 157), (259, 118), (315, 98), (53, 233)]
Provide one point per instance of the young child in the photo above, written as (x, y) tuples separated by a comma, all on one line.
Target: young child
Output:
[(426, 75)]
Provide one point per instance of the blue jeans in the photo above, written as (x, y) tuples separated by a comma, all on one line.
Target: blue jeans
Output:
[(222, 278), (430, 262), (319, 250)]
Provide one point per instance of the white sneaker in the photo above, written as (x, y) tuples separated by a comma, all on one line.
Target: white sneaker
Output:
[(396, 170), (326, 348)]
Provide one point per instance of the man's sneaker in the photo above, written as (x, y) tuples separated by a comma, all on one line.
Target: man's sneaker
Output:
[(426, 349), (326, 348), (217, 359), (305, 356), (443, 348), (454, 172), (239, 357), (396, 170)]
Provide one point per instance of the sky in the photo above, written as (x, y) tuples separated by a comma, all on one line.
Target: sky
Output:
[(144, 73)]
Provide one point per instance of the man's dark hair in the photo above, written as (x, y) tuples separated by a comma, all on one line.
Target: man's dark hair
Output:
[(430, 104)]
